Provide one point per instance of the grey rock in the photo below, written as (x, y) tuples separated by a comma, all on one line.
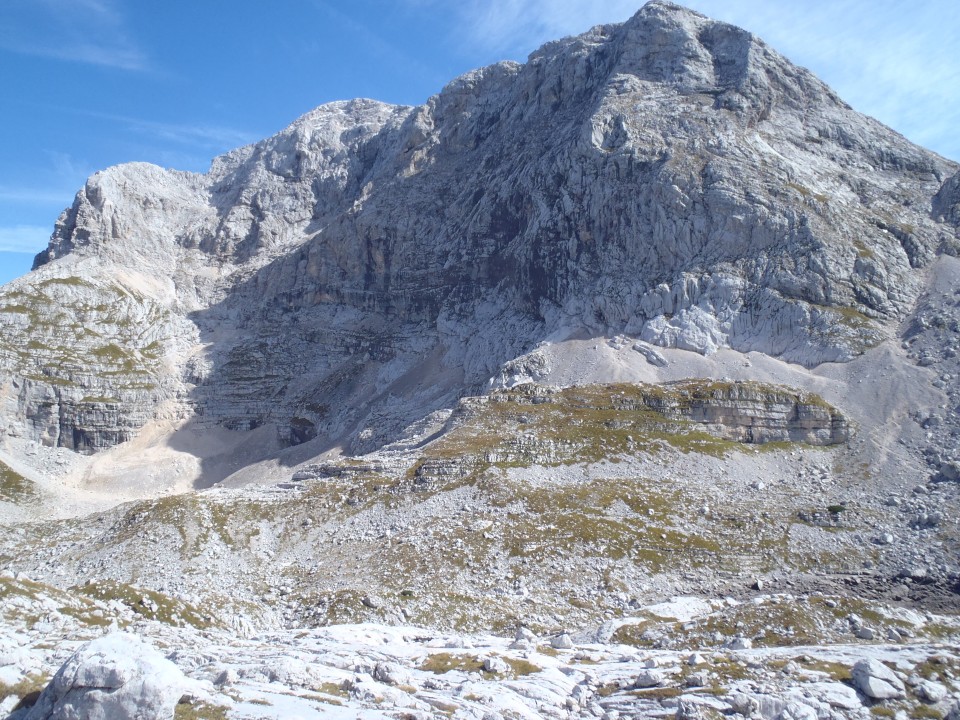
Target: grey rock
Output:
[(496, 665), (651, 354), (561, 642), (797, 711), (525, 634), (698, 193), (116, 677), (391, 674), (931, 692), (688, 710), (950, 470), (698, 679), (744, 704), (876, 680), (836, 695), (649, 679)]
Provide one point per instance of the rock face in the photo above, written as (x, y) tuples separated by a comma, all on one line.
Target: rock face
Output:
[(752, 412), (672, 178), (117, 677)]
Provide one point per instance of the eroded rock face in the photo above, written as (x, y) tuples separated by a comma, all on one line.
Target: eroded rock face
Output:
[(672, 178), (755, 413)]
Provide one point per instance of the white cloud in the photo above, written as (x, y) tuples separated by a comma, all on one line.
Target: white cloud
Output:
[(216, 137), (24, 238), (517, 27), (85, 31), (200, 135)]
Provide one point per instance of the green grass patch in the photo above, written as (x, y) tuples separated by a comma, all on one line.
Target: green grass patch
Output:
[(195, 710), (15, 488), (26, 691), (149, 604)]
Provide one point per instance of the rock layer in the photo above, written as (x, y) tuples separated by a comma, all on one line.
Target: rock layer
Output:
[(673, 178)]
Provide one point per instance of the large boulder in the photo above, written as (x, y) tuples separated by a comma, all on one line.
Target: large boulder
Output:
[(116, 677), (876, 680)]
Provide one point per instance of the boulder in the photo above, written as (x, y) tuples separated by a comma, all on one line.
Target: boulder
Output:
[(743, 704), (950, 470), (391, 674), (649, 679), (931, 692), (496, 665), (115, 677), (876, 680)]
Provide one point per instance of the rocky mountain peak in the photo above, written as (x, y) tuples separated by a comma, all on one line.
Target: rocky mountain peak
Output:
[(672, 178)]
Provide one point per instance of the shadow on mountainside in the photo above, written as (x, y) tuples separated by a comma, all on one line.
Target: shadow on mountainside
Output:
[(301, 374)]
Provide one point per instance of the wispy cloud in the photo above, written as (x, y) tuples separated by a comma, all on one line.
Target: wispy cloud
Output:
[(24, 238), (516, 27), (384, 51), (84, 31), (31, 196), (217, 136), (200, 135)]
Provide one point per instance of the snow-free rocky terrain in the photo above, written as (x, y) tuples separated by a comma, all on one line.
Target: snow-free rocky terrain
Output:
[(620, 383)]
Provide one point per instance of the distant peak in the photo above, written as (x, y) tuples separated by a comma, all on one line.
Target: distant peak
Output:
[(667, 6)]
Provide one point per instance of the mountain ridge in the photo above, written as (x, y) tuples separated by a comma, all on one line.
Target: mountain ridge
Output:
[(629, 179)]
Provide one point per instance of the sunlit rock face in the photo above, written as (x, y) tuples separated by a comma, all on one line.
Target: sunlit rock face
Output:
[(672, 178)]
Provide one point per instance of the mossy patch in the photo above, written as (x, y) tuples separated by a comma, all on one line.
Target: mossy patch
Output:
[(26, 691), (196, 710), (532, 424), (149, 604), (15, 488), (90, 336), (444, 662)]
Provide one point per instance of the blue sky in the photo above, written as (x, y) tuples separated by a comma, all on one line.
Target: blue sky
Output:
[(92, 83)]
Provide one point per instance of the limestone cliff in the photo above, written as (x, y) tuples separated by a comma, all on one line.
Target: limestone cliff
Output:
[(672, 178)]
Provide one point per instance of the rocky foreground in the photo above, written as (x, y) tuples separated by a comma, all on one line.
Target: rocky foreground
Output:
[(772, 656)]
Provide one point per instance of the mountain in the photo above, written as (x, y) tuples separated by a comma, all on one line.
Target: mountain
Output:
[(653, 314), (672, 178)]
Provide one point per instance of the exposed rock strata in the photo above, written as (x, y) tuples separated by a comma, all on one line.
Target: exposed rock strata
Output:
[(672, 177)]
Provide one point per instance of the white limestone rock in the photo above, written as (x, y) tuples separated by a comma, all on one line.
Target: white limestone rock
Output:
[(876, 680), (649, 679), (930, 691), (116, 677)]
